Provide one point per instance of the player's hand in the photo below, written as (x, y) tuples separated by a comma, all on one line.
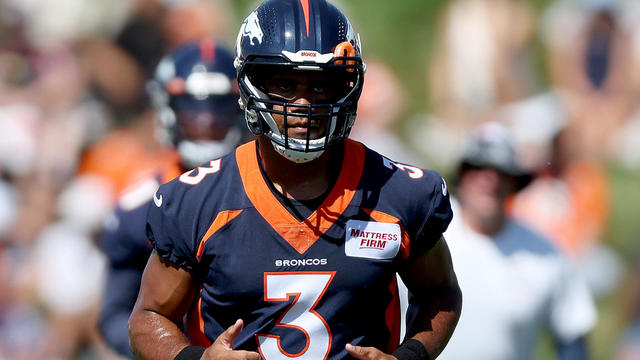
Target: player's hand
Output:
[(222, 348), (368, 353)]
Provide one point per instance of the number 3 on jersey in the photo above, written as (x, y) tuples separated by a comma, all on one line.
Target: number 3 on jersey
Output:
[(308, 288), (214, 167), (414, 172)]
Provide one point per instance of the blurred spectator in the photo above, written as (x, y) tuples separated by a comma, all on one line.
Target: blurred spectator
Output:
[(61, 78), (565, 134), (516, 285), (69, 269), (23, 326), (53, 24), (569, 202), (191, 20), (480, 62), (628, 346), (480, 59), (591, 63), (381, 107)]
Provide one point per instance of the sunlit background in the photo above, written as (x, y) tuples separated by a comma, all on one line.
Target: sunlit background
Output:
[(76, 132)]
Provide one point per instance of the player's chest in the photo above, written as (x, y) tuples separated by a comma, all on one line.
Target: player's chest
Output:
[(250, 255)]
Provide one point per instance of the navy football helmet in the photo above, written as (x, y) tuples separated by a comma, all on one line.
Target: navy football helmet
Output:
[(299, 36), (195, 94)]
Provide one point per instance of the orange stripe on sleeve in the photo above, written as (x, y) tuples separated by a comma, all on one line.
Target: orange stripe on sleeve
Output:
[(386, 218), (223, 218)]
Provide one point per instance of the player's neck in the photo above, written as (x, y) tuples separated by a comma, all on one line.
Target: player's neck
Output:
[(301, 181)]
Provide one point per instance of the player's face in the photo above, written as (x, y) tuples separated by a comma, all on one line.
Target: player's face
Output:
[(304, 88)]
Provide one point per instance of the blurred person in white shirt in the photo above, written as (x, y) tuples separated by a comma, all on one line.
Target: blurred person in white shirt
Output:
[(516, 285)]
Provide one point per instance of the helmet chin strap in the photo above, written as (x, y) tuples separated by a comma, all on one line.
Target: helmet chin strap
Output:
[(295, 156)]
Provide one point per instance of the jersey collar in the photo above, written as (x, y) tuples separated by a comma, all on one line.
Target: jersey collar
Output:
[(301, 235)]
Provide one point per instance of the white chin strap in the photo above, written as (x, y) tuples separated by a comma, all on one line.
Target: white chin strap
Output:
[(295, 155), (196, 153)]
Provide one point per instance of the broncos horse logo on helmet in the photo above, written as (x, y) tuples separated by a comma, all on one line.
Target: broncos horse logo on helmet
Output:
[(251, 28), (304, 36)]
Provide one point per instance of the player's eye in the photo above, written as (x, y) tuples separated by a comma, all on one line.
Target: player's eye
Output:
[(284, 86), (319, 88)]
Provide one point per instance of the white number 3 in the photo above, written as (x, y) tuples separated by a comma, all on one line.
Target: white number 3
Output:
[(187, 178), (414, 172), (308, 288)]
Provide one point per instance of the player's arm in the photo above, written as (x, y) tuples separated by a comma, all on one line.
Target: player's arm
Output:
[(435, 303), (435, 299), (166, 293)]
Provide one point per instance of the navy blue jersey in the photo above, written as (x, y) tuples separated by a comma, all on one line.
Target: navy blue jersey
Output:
[(127, 251), (125, 243), (303, 288)]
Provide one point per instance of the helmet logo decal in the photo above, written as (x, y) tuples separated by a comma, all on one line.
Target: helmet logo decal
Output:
[(305, 10), (251, 28)]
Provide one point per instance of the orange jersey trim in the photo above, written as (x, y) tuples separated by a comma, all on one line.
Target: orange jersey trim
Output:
[(386, 218), (393, 317), (195, 326), (301, 235), (223, 218)]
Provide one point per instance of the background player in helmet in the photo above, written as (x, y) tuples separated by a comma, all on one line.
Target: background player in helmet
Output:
[(289, 246), (194, 92)]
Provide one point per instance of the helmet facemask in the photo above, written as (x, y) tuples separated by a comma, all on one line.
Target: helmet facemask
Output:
[(343, 78), (302, 37)]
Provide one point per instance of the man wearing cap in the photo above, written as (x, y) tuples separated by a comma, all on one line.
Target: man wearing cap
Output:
[(515, 283)]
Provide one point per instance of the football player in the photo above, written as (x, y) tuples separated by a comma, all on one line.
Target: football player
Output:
[(289, 246), (195, 95)]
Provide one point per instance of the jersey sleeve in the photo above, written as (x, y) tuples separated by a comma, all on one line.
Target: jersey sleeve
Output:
[(123, 238), (170, 226), (438, 217), (572, 312)]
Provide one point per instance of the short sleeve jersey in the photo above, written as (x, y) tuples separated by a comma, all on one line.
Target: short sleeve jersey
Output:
[(303, 288)]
